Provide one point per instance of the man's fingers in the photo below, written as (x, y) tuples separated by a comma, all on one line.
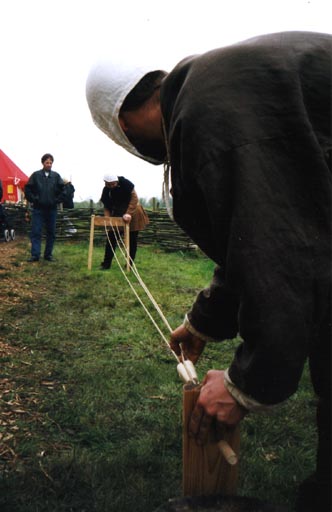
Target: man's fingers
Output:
[(204, 429), (175, 346), (179, 349), (195, 420), (199, 424)]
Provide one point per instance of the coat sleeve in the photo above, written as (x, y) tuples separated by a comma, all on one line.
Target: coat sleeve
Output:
[(212, 303)]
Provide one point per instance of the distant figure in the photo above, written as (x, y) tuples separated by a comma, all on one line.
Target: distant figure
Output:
[(45, 190), (69, 190), (120, 200)]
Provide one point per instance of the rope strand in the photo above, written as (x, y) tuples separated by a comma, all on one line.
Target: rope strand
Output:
[(123, 251), (184, 368), (137, 296)]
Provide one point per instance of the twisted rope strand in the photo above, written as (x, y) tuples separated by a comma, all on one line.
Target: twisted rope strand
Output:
[(124, 251), (137, 296)]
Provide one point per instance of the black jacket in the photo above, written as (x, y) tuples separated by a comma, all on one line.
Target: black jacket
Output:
[(116, 200), (69, 190), (44, 191), (249, 129)]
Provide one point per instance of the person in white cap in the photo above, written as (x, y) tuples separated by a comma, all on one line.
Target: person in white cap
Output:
[(120, 200), (246, 130)]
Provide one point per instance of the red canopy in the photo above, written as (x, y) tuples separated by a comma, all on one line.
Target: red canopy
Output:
[(13, 179)]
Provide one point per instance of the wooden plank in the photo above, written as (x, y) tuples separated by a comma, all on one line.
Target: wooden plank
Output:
[(109, 221), (205, 469)]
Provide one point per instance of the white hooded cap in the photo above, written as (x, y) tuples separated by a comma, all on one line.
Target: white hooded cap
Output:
[(107, 86), (110, 178)]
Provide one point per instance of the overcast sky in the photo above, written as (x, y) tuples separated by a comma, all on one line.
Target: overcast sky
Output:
[(48, 46)]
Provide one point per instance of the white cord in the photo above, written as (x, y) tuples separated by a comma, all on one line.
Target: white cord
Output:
[(185, 368), (124, 251), (145, 289)]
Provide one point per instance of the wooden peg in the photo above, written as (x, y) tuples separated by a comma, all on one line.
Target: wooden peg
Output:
[(187, 372), (228, 453)]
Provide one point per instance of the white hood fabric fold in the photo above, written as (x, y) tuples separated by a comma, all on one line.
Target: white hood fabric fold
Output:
[(107, 85)]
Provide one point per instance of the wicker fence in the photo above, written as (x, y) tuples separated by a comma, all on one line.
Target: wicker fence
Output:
[(75, 225)]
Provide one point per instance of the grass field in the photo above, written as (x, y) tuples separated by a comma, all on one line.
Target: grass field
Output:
[(90, 416)]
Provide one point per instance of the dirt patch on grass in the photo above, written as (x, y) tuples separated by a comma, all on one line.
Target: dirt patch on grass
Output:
[(12, 256), (7, 250), (16, 404), (15, 286), (10, 249)]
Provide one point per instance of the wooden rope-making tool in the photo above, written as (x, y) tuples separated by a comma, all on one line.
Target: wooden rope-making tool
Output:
[(109, 222), (210, 468)]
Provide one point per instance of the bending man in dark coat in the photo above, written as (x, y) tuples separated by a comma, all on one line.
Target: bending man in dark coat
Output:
[(120, 199), (246, 130)]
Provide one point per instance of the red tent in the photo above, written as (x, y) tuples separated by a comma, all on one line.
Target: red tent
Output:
[(13, 179)]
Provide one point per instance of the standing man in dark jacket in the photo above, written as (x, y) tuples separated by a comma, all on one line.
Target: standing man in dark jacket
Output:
[(246, 130), (45, 190)]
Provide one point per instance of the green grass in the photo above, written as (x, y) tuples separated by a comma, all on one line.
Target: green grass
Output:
[(101, 423)]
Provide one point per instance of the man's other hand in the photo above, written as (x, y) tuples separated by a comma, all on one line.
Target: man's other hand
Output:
[(191, 345)]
